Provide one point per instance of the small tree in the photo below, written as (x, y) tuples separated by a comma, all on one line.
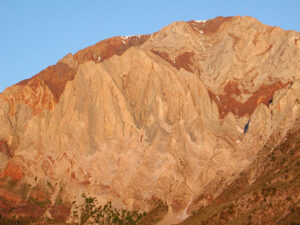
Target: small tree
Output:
[(91, 213)]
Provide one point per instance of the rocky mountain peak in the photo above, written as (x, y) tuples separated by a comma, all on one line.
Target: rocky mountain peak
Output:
[(174, 116)]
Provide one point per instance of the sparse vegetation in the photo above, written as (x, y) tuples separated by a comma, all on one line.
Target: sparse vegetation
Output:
[(159, 210), (277, 177), (91, 213), (24, 189), (267, 191), (14, 221)]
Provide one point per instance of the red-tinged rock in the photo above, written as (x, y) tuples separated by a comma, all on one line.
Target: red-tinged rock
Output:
[(179, 115), (12, 170), (4, 148), (227, 103), (60, 212)]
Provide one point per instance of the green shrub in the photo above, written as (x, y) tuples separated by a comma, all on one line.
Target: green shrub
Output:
[(91, 213), (13, 221)]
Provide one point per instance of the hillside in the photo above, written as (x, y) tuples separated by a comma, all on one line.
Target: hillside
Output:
[(188, 117)]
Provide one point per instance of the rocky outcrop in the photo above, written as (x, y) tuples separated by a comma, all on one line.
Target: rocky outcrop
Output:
[(176, 116), (265, 193)]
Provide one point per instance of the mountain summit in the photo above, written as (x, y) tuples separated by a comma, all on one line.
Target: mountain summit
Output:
[(179, 116)]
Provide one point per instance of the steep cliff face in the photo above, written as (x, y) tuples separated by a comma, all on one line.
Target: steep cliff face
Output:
[(176, 116)]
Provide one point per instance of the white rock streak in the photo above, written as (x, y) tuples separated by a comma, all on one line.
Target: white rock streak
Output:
[(200, 21), (200, 31), (128, 36), (239, 129), (184, 214)]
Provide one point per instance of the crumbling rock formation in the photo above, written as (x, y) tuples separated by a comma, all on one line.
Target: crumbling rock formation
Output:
[(177, 116)]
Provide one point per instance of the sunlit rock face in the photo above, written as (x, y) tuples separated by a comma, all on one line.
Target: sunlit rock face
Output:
[(173, 116)]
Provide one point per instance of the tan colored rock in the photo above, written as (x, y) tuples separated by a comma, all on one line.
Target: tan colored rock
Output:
[(157, 116)]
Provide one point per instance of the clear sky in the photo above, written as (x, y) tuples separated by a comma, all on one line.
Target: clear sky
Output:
[(37, 33)]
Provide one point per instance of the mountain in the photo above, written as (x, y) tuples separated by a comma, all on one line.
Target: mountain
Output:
[(265, 193), (189, 116)]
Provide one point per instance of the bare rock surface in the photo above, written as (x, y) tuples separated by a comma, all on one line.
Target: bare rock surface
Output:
[(176, 115)]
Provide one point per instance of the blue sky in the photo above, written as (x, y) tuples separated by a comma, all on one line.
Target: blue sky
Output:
[(37, 33)]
